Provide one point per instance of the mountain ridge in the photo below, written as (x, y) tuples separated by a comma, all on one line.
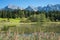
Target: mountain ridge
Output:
[(39, 8)]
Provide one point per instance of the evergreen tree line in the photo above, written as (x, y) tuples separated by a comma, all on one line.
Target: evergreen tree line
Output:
[(51, 15)]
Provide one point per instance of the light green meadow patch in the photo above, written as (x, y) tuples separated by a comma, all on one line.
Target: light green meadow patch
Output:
[(14, 20), (17, 20), (3, 19)]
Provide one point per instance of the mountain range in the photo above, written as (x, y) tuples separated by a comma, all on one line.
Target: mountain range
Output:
[(31, 8)]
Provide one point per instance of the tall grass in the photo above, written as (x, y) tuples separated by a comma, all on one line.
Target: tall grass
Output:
[(46, 31)]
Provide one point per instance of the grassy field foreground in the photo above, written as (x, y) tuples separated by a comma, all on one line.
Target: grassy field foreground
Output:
[(30, 26), (15, 30)]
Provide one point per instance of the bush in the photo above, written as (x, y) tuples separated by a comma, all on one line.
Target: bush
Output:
[(38, 18)]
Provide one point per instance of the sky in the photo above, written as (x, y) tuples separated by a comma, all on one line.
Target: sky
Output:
[(25, 3)]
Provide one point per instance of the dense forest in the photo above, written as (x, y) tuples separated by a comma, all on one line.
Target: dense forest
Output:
[(33, 16)]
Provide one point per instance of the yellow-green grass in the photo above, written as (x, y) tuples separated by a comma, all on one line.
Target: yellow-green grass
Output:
[(14, 20), (3, 19), (11, 20)]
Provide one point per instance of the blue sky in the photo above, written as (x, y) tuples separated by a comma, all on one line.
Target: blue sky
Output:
[(25, 3)]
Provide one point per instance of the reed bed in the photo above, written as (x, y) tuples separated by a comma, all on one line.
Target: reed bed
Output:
[(47, 31), (31, 36)]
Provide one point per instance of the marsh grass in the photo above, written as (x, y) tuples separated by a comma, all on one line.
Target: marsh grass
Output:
[(46, 31)]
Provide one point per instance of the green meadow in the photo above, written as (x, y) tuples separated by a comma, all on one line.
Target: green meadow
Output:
[(16, 30)]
